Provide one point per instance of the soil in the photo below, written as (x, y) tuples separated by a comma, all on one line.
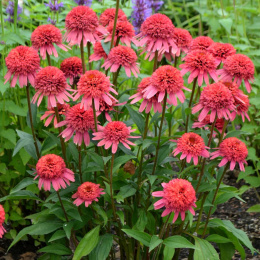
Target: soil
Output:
[(248, 222)]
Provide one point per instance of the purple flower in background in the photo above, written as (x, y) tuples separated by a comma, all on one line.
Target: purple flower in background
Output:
[(155, 5), (10, 11), (53, 22), (54, 5), (141, 10), (83, 2)]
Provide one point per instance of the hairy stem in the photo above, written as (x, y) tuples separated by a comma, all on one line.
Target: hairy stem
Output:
[(115, 21), (89, 63), (82, 56)]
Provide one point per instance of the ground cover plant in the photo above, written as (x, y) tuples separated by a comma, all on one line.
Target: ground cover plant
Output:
[(119, 124)]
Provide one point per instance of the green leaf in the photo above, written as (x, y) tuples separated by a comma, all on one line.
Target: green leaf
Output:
[(106, 46), (226, 250), (205, 250), (217, 239), (13, 108), (9, 134), (235, 133), (121, 160), (137, 118), (103, 248), (227, 24), (55, 248), (138, 235), (101, 212), (168, 253), (178, 242), (22, 194), (57, 235), (87, 244), (155, 241), (125, 192), (37, 229), (255, 209), (24, 183)]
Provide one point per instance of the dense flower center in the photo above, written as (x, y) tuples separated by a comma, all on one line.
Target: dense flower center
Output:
[(182, 37), (71, 67), (46, 34), (221, 50), (233, 149), (79, 119), (81, 18), (88, 191), (116, 131), (179, 195), (50, 166), (123, 56), (240, 66), (191, 143), (93, 83), (23, 60), (123, 29), (50, 80), (216, 96), (201, 43), (167, 78), (158, 26), (109, 14), (98, 50)]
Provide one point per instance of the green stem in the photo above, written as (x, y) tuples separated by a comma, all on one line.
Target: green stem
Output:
[(201, 210), (80, 158), (155, 61), (115, 21), (15, 15), (111, 187), (48, 58), (82, 57), (89, 63), (223, 131), (63, 148), (62, 206), (95, 115), (190, 103), (31, 121), (213, 200), (2, 19), (160, 133)]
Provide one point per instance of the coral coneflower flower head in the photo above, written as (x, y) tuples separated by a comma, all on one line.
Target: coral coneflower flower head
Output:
[(182, 39), (122, 56), (82, 23), (114, 133), (157, 35), (50, 113), (2, 220), (201, 43), (238, 67), (166, 79), (178, 196), (51, 169), (232, 150), (43, 38), (124, 32), (22, 62), (146, 103), (191, 145), (51, 82), (72, 68), (199, 63), (242, 106), (99, 52), (94, 85), (216, 98), (78, 121), (87, 193), (221, 51), (109, 15)]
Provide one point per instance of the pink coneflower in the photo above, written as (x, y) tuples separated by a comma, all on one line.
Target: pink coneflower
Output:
[(114, 133), (199, 63), (242, 106), (206, 122), (82, 23), (221, 51), (43, 38), (124, 31), (122, 56), (234, 151), (146, 103), (78, 121), (216, 98), (239, 67), (2, 220), (178, 196), (157, 35), (191, 145), (99, 53), (50, 113), (109, 15), (51, 82), (22, 62), (182, 39), (104, 107), (72, 68), (201, 43), (166, 80), (94, 85), (51, 169), (87, 193)]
